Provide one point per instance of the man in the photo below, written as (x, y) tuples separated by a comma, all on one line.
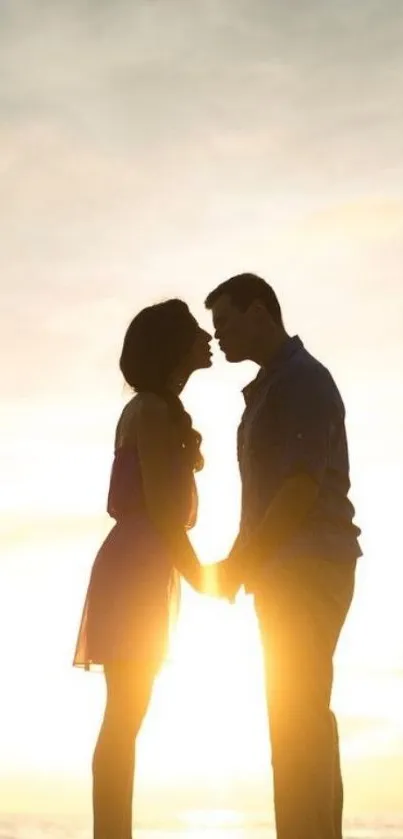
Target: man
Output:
[(297, 546)]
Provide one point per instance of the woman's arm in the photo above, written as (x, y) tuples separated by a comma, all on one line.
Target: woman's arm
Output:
[(158, 454)]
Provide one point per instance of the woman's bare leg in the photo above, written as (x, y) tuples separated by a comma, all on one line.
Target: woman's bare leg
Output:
[(128, 696)]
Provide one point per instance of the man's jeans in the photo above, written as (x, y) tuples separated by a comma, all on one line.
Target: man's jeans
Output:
[(301, 612)]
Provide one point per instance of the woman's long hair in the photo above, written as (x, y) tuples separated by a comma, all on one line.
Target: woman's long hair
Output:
[(156, 342)]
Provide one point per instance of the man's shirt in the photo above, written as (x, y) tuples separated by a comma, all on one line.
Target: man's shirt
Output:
[(294, 422)]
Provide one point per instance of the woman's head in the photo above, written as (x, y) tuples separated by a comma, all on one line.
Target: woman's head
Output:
[(162, 347), (163, 344)]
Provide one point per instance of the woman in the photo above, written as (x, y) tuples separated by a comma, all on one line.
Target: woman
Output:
[(152, 498)]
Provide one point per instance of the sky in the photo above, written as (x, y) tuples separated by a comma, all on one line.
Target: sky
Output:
[(149, 150)]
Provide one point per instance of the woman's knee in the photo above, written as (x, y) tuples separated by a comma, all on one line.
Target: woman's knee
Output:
[(127, 702)]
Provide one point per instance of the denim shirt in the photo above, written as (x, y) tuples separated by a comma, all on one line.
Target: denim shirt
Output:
[(294, 422)]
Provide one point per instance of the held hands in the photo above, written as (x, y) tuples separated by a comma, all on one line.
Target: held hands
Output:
[(222, 579)]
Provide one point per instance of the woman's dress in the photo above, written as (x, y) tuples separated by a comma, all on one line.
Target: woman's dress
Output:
[(127, 607)]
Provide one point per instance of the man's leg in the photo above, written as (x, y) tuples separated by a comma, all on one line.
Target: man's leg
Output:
[(301, 616)]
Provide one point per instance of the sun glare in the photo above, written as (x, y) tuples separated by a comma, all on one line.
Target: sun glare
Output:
[(210, 686), (206, 728)]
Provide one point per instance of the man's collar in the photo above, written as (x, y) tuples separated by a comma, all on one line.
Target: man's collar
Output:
[(290, 346)]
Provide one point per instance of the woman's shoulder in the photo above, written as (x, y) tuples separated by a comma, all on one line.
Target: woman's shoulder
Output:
[(149, 403), (125, 429), (143, 409)]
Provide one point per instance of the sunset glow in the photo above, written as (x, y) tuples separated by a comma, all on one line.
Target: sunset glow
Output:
[(151, 150)]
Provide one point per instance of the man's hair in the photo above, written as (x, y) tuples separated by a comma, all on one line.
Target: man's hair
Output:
[(242, 290)]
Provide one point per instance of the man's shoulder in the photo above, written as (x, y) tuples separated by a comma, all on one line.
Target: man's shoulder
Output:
[(304, 373), (305, 365)]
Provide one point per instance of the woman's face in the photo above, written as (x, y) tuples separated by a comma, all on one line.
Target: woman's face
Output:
[(199, 356)]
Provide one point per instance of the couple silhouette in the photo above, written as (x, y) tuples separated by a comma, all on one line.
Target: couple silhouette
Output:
[(296, 550)]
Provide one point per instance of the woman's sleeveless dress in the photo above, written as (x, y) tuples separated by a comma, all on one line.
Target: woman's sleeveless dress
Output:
[(127, 608)]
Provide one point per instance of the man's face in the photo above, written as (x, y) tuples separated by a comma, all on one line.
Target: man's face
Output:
[(233, 329)]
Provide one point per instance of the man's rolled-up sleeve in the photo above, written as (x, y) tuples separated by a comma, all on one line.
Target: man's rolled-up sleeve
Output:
[(304, 413)]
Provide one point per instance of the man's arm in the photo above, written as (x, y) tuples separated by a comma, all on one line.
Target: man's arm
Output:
[(305, 416), (289, 508)]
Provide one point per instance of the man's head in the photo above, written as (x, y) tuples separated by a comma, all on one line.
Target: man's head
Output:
[(246, 316)]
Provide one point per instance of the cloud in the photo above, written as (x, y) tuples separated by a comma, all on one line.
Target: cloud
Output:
[(149, 77), (149, 147), (370, 218)]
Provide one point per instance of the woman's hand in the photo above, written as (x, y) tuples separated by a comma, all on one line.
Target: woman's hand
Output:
[(219, 579), (222, 579)]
